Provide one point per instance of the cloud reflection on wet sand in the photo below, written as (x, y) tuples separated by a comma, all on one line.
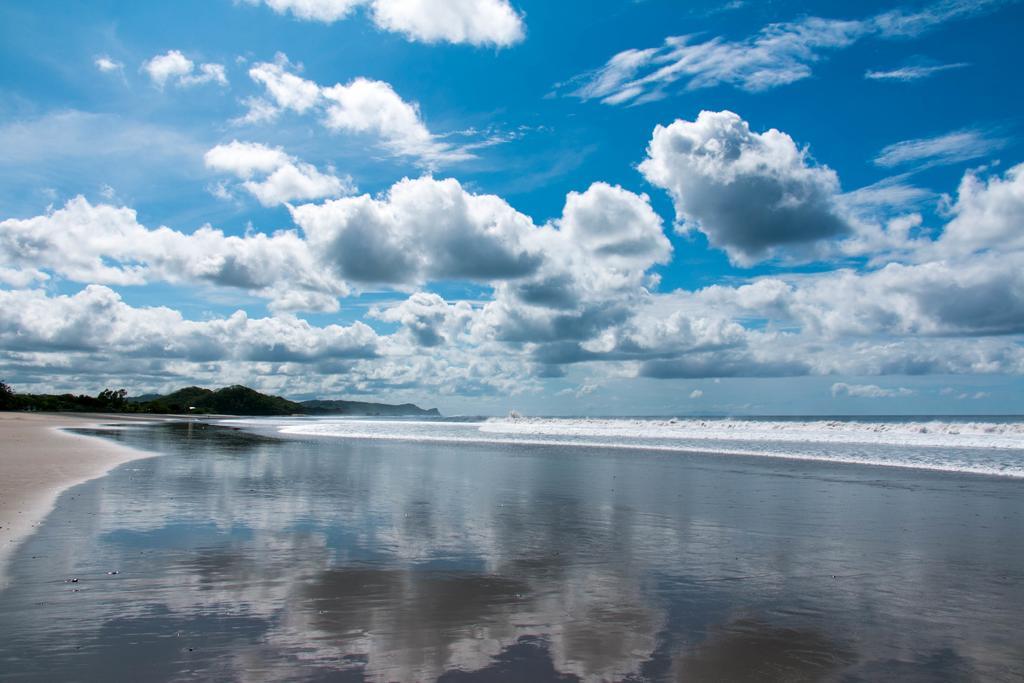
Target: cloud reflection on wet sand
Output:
[(247, 557)]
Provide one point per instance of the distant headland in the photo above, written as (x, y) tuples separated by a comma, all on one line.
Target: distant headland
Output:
[(233, 400)]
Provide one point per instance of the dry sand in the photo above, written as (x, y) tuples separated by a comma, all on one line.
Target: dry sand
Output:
[(38, 462)]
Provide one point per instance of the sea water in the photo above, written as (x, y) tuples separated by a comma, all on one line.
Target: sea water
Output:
[(979, 445)]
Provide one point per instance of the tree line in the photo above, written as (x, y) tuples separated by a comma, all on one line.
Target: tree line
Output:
[(108, 401)]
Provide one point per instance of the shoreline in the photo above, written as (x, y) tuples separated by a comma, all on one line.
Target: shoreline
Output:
[(40, 460)]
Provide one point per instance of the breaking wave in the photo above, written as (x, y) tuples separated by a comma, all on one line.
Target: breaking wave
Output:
[(993, 446), (981, 434)]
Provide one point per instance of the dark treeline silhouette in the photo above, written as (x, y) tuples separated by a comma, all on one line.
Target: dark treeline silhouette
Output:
[(233, 400)]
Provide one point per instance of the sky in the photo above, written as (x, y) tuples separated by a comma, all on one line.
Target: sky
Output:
[(610, 207)]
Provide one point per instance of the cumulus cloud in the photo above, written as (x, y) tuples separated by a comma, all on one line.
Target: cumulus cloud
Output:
[(286, 90), (958, 309), (749, 193), (362, 106), (284, 178), (428, 318), (175, 67), (245, 158), (97, 319), (987, 214), (618, 226), (669, 337), (868, 391), (367, 106), (980, 296), (420, 230), (597, 255), (49, 342), (577, 290), (568, 279), (297, 181), (802, 353), (944, 149), (779, 54), (476, 22), (105, 244)]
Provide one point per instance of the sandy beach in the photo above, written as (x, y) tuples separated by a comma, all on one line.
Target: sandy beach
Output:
[(38, 461)]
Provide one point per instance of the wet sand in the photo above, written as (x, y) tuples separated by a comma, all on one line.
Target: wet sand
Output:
[(38, 461), (241, 555)]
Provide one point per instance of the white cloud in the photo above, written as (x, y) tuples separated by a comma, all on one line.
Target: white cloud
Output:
[(615, 225), (286, 178), (575, 290), (594, 272), (362, 106), (173, 66), (942, 149), (980, 296), (420, 230), (566, 279), (954, 311), (106, 244), (749, 193), (108, 65), (428, 318), (298, 181), (912, 73), (783, 346), (287, 90), (365, 106), (258, 110), (476, 22), (207, 73), (326, 11), (779, 54), (868, 391), (988, 214), (96, 319), (893, 192), (902, 23), (245, 158)]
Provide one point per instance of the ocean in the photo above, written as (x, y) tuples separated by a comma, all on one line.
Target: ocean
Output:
[(529, 549), (978, 444)]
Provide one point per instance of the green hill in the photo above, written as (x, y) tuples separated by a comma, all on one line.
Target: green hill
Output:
[(233, 400)]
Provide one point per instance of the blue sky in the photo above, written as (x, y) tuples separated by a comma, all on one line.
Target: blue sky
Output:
[(839, 232)]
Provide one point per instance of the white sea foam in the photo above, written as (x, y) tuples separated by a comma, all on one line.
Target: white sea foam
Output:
[(991, 448), (901, 433)]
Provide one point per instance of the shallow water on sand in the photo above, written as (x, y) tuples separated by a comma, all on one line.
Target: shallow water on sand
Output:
[(244, 557)]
